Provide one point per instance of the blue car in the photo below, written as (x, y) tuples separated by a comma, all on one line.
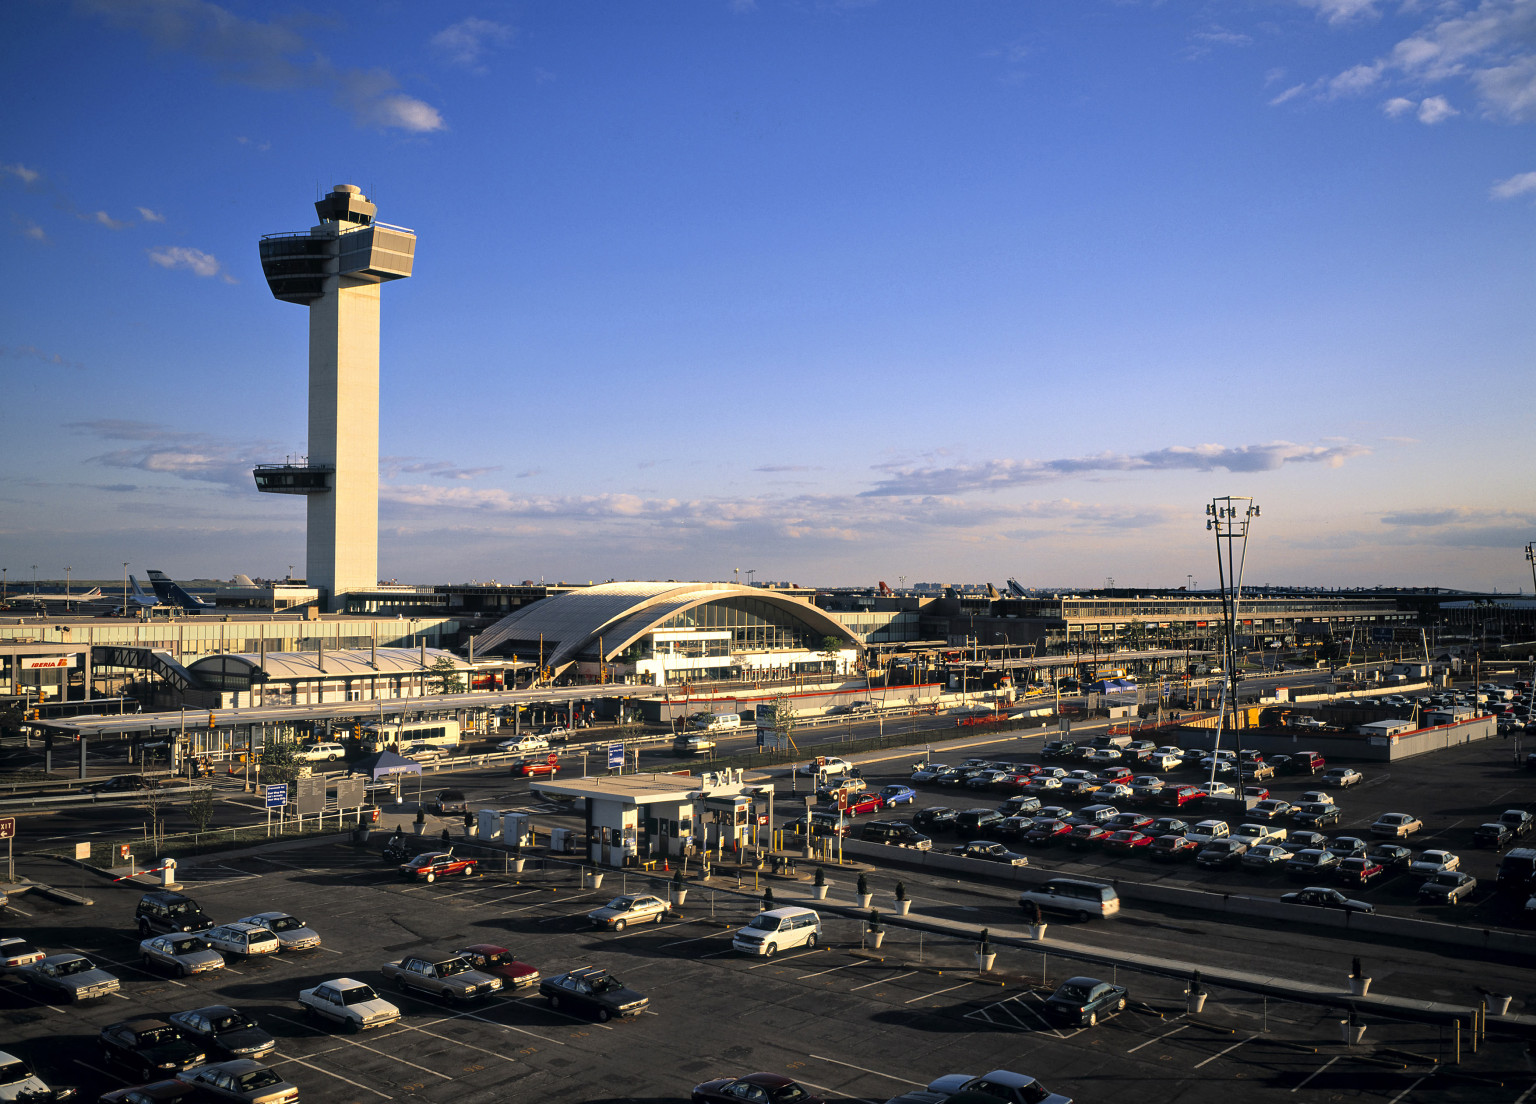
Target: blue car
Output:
[(896, 794)]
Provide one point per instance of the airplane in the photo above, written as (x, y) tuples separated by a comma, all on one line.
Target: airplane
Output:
[(92, 595), (170, 593)]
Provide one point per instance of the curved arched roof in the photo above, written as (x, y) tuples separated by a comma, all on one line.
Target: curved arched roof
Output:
[(282, 666), (620, 613)]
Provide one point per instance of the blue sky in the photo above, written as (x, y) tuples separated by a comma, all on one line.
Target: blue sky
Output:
[(831, 292)]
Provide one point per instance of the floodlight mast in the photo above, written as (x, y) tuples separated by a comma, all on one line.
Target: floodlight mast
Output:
[(1228, 518)]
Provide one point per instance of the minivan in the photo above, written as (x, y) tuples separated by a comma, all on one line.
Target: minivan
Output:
[(1074, 896), (778, 930)]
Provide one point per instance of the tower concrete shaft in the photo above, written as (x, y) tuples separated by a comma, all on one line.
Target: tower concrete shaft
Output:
[(335, 269)]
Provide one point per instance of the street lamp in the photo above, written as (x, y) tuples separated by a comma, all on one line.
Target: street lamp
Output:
[(34, 579), (1228, 518), (125, 590), (67, 570)]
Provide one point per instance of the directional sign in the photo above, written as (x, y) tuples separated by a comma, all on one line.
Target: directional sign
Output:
[(615, 756), (7, 827), (277, 795)]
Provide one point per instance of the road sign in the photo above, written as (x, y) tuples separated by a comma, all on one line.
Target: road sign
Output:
[(615, 756), (277, 796), (7, 827)]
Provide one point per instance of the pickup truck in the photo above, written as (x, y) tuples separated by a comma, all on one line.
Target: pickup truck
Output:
[(1257, 772), (450, 979)]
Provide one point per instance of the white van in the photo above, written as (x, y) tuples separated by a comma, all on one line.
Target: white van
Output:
[(1073, 896), (778, 930), (321, 753), (715, 722)]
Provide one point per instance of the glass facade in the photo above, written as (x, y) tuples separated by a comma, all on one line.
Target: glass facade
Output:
[(754, 625)]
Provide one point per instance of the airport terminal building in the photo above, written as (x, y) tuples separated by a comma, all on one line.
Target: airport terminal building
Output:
[(670, 633)]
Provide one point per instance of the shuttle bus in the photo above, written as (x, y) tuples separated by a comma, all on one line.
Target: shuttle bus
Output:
[(437, 732)]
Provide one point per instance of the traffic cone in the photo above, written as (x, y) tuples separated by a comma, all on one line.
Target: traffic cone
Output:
[(665, 866)]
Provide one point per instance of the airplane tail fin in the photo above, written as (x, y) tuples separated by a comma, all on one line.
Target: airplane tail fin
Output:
[(138, 591), (171, 593)]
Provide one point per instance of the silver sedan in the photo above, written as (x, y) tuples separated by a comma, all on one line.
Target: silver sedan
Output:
[(182, 953), (292, 933)]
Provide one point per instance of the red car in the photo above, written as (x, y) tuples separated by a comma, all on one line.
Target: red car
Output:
[(432, 865), (1086, 835), (1177, 796), (1173, 848), (1115, 774), (1127, 841), (867, 802), (490, 959), (1258, 793), (1047, 831), (527, 768), (1359, 870), (754, 1088)]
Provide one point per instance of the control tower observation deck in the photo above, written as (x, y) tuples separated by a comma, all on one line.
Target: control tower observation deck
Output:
[(335, 269)]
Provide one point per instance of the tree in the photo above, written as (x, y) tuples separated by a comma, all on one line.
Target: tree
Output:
[(444, 677), (200, 807), (1135, 633), (831, 648), (279, 761), (785, 718)]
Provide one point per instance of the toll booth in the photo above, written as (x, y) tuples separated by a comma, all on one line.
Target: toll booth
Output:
[(728, 821)]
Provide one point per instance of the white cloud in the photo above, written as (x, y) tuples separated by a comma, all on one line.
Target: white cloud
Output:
[(32, 352), (1513, 186), (150, 216), (30, 230), (1354, 80), (1397, 106), (198, 457), (195, 260), (1289, 94), (269, 56), (1435, 109), (1342, 11), (101, 218), (21, 173), (465, 43)]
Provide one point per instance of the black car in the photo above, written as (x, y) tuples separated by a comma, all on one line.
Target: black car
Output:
[(151, 1047), (1318, 815), (122, 783), (935, 818), (1020, 805), (1300, 841), (592, 991), (225, 1029), (1082, 1000), (1058, 751), (1390, 856), (978, 822), (1324, 897), (1493, 834), (164, 911), (1167, 826)]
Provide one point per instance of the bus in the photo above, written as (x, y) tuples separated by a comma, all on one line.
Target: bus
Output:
[(438, 733)]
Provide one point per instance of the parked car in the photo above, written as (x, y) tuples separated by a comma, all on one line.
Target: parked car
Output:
[(164, 911), (122, 783), (225, 1030), (1085, 836), (935, 818), (1167, 826), (1317, 814), (898, 833), (1342, 777), (150, 1047), (926, 772), (1449, 887), (1433, 862), (448, 977), (976, 822), (1517, 821), (1127, 841), (349, 1003), (592, 991), (1303, 838), (829, 766), (1270, 810), (292, 933), (990, 851), (241, 1081), (1265, 856), (1173, 848), (245, 940), (1020, 805), (1345, 846), (1493, 834), (71, 976), (629, 908), (183, 953), (754, 1088), (15, 951), (1391, 856), (1139, 822), (1082, 1000), (1047, 830), (1208, 830), (432, 865), (1396, 825), (1311, 862), (999, 1085), (1357, 869), (897, 794), (491, 959), (1326, 897), (1317, 797), (1221, 853), (19, 1083)]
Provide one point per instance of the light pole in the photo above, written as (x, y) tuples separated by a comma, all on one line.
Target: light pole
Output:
[(1228, 518), (125, 590), (34, 580), (67, 570)]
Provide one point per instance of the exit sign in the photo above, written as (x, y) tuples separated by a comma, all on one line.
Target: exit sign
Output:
[(7, 827)]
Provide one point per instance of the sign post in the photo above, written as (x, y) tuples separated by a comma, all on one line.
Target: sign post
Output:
[(8, 834), (276, 797), (616, 757)]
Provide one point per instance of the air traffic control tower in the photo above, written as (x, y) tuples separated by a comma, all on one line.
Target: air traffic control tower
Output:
[(335, 269)]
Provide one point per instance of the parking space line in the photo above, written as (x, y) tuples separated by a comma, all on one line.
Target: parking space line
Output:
[(459, 1042), (329, 1073), (834, 1092), (1526, 1095), (865, 1069), (925, 996), (786, 958), (1421, 1081), (1317, 1071), (831, 969), (696, 939), (382, 1053), (1160, 1038), (1229, 1050), (882, 981), (20, 911), (638, 929)]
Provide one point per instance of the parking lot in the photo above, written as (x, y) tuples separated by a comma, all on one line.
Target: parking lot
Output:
[(846, 1021)]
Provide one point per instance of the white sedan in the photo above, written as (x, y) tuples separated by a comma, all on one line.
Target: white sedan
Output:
[(242, 939), (292, 933), (833, 765), (348, 1002), (1343, 776), (1434, 862)]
